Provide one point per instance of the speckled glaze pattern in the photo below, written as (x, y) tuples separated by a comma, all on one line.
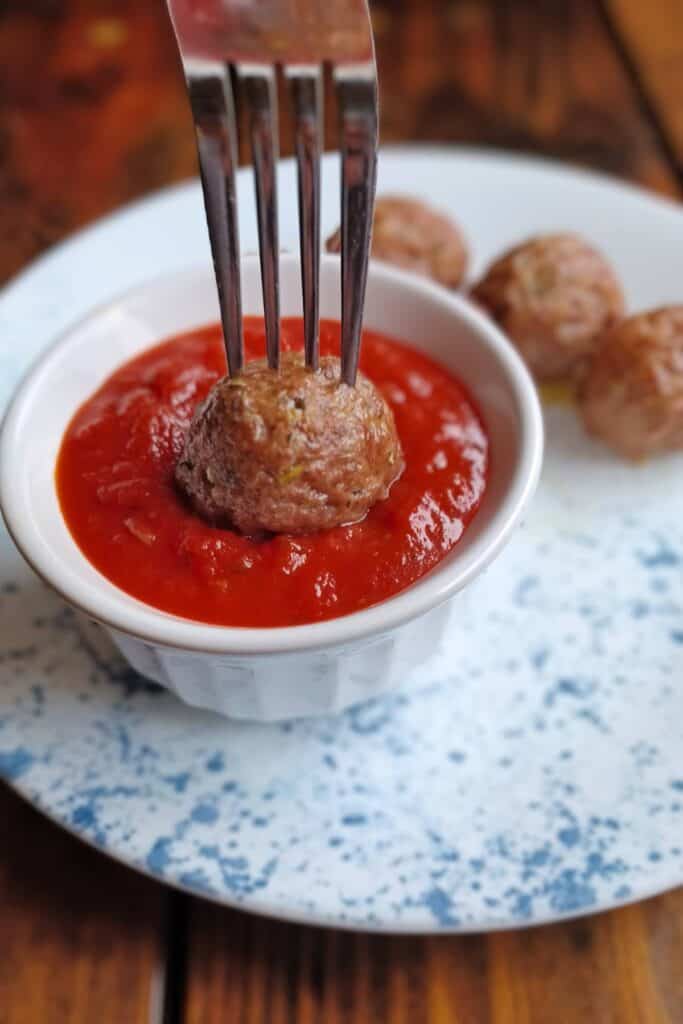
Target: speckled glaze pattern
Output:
[(530, 770)]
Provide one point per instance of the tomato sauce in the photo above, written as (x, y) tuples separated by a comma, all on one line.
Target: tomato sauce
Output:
[(117, 493)]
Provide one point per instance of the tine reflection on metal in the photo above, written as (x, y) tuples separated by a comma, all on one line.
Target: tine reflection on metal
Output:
[(260, 90), (357, 95), (306, 88), (211, 98)]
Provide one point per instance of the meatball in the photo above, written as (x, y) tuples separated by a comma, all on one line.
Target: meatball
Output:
[(632, 392), (553, 296), (293, 451), (411, 235)]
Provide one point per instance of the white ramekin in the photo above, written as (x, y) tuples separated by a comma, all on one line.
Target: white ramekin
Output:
[(280, 673)]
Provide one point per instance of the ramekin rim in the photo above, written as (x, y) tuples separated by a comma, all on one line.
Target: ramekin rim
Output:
[(419, 598)]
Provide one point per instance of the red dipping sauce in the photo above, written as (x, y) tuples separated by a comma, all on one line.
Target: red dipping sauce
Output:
[(118, 497)]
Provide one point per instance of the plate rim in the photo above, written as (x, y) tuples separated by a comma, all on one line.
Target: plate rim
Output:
[(313, 920), (62, 250), (429, 151)]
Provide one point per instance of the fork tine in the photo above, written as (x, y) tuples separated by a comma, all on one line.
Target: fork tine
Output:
[(306, 87), (357, 97), (260, 87), (252, 39), (214, 116)]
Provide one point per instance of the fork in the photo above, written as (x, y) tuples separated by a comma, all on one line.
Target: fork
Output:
[(232, 51)]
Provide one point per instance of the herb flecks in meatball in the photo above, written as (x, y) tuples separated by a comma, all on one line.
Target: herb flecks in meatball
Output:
[(411, 235), (632, 393), (291, 451), (554, 296)]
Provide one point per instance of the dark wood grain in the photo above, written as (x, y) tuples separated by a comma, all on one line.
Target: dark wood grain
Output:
[(625, 967), (652, 37), (82, 939), (519, 74), (92, 114), (93, 111)]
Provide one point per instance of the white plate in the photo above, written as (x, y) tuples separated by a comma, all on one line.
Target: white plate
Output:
[(532, 770)]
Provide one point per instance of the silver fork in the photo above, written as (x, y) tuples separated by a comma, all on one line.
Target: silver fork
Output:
[(232, 50)]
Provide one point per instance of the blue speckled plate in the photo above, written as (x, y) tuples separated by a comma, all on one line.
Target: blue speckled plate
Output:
[(532, 770)]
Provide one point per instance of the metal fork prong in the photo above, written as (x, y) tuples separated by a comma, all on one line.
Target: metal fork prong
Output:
[(211, 97), (307, 101), (260, 88), (357, 99)]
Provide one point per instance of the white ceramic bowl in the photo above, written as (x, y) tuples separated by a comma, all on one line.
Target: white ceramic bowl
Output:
[(279, 673)]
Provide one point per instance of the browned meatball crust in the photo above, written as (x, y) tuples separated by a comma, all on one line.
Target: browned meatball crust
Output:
[(554, 296), (409, 234), (632, 393), (290, 452)]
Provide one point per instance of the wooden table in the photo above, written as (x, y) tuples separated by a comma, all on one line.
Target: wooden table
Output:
[(93, 114)]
